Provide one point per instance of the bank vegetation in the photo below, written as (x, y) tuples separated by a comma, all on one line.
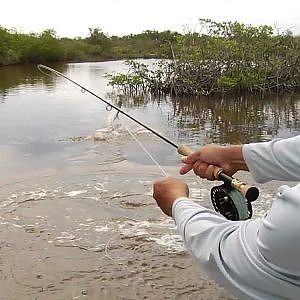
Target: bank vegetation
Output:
[(224, 58), (16, 47), (220, 58)]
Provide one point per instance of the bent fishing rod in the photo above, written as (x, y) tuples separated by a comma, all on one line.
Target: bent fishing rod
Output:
[(232, 199)]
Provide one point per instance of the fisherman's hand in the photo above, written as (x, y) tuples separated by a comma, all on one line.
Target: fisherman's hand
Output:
[(166, 191), (208, 160)]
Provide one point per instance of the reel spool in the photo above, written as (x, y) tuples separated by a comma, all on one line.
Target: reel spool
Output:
[(230, 203)]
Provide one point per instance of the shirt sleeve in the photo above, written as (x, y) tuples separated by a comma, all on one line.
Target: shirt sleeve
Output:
[(212, 240), (278, 234), (254, 259), (274, 160), (202, 230)]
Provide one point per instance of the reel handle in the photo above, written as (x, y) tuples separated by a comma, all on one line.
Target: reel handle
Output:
[(250, 192)]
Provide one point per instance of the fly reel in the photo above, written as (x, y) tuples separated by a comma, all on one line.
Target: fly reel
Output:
[(230, 203)]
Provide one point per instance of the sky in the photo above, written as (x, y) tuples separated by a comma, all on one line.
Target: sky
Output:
[(117, 17)]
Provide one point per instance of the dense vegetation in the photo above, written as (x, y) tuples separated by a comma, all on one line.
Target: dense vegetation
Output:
[(18, 47), (227, 57)]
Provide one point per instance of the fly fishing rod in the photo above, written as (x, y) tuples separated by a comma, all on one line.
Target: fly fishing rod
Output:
[(232, 199)]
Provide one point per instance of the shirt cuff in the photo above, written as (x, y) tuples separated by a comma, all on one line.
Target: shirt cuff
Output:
[(176, 202), (252, 154)]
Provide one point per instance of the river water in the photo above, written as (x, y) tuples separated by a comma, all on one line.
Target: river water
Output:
[(40, 115), (72, 178)]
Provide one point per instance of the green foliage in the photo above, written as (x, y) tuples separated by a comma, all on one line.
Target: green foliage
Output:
[(149, 44), (16, 47), (132, 82), (101, 43), (229, 57), (141, 78), (47, 47)]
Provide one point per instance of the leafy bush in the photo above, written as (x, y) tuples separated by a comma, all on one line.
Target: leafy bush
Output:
[(228, 57)]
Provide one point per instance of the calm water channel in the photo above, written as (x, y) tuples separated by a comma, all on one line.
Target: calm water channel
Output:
[(42, 116)]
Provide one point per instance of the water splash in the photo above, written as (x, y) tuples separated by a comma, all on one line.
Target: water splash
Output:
[(115, 129)]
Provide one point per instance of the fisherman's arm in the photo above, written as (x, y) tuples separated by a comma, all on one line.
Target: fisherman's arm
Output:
[(201, 228), (274, 160)]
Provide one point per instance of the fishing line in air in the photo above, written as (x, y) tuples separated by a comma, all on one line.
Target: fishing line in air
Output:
[(146, 151), (116, 117)]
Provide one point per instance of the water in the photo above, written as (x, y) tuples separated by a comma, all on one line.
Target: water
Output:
[(51, 129), (76, 190), (41, 116)]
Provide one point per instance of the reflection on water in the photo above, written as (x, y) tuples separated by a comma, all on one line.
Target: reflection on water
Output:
[(242, 119), (38, 112), (16, 78), (137, 100), (238, 120)]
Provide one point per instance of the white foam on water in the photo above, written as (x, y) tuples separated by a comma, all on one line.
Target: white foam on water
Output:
[(15, 199), (99, 189), (131, 229), (200, 194), (149, 193), (35, 195), (84, 225), (65, 236), (75, 193), (6, 203), (11, 224), (102, 228), (146, 182), (172, 242), (154, 231), (116, 128), (92, 198), (142, 130)]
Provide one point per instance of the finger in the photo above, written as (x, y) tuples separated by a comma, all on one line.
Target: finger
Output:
[(209, 172), (192, 158), (185, 169), (183, 159), (199, 168)]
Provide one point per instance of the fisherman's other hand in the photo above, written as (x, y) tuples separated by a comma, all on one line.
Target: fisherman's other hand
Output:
[(208, 160), (167, 190)]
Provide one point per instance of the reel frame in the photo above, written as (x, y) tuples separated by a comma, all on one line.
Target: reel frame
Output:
[(230, 203)]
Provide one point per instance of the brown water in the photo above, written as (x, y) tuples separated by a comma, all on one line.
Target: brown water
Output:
[(77, 218)]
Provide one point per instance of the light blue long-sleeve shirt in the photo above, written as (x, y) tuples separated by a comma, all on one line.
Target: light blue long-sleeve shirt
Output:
[(254, 259)]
